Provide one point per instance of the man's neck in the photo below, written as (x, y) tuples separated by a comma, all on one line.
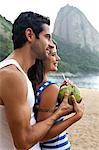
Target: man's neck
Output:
[(24, 58)]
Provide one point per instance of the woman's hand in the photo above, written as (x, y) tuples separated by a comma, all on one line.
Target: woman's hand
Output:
[(65, 107), (78, 107)]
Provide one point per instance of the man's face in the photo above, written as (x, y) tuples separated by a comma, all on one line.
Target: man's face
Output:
[(43, 44)]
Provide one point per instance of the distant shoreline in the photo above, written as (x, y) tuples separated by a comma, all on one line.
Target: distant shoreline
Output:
[(83, 81)]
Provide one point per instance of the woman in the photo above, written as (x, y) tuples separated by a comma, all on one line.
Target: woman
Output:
[(46, 93)]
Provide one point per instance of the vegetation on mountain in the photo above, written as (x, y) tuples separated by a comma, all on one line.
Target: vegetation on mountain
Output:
[(6, 45), (76, 59)]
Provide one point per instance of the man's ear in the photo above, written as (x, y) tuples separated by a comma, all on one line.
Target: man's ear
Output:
[(29, 34)]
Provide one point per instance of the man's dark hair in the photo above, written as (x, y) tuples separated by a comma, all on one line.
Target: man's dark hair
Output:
[(27, 20)]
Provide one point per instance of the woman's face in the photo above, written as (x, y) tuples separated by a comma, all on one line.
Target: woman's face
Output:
[(51, 63)]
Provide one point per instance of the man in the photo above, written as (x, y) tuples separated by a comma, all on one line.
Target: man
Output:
[(32, 39)]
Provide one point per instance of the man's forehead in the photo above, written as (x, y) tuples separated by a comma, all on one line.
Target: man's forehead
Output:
[(46, 27)]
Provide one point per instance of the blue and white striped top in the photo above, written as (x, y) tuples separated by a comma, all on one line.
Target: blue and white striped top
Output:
[(59, 142)]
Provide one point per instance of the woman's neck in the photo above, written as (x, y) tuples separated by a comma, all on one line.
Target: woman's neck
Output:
[(45, 77)]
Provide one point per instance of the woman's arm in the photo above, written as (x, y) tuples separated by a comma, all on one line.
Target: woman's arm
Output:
[(48, 101)]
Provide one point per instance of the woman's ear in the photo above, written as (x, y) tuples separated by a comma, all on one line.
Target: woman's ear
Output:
[(29, 34)]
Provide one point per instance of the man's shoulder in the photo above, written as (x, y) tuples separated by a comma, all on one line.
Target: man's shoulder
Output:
[(12, 83), (10, 75)]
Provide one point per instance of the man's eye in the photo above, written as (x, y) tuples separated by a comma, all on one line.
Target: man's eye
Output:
[(48, 36), (54, 54)]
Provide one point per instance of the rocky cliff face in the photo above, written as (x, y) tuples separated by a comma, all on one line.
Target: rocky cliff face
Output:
[(72, 26)]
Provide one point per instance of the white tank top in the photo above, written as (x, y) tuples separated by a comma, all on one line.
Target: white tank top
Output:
[(6, 141)]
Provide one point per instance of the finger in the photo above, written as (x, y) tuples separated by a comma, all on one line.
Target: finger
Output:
[(82, 103), (65, 97), (74, 99)]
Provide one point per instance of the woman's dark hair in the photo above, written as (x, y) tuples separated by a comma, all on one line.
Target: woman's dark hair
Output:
[(27, 20), (36, 72)]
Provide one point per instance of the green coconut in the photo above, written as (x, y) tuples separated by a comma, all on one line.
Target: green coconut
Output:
[(71, 90)]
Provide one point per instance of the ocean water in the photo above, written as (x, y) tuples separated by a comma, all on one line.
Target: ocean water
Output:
[(84, 81)]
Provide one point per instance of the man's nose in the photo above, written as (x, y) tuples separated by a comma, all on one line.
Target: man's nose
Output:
[(51, 45)]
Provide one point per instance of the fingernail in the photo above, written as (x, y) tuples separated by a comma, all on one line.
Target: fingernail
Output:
[(66, 94)]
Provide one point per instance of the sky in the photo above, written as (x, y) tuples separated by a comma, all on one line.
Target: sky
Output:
[(10, 9)]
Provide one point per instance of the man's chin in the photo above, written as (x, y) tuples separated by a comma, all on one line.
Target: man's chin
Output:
[(44, 57)]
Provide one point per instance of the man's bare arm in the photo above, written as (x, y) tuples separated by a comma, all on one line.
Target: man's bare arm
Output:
[(14, 95)]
